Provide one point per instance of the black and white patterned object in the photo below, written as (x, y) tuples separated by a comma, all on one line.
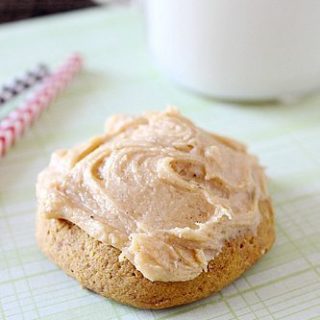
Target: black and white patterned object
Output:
[(18, 85)]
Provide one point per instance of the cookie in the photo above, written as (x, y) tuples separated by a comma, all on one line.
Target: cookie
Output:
[(156, 212)]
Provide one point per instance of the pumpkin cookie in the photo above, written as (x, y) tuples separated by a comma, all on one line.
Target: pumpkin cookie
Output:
[(156, 212)]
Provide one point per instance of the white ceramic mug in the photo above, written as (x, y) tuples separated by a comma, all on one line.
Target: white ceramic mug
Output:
[(238, 49)]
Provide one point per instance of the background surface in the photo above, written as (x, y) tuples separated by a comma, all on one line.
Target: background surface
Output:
[(11, 10), (119, 77)]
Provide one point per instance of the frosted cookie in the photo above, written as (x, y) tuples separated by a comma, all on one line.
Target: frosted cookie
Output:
[(156, 212)]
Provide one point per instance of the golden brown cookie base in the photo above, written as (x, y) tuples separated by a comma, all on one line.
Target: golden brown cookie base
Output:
[(95, 265)]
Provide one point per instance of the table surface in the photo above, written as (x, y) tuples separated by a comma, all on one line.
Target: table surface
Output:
[(119, 77)]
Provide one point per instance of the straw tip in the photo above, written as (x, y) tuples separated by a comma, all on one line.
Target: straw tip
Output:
[(76, 56)]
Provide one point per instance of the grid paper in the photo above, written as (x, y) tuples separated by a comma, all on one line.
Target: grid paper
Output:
[(119, 77)]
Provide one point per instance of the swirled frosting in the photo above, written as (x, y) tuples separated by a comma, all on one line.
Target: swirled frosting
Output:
[(164, 192)]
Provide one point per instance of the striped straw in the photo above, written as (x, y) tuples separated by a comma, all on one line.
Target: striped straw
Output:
[(24, 82), (13, 126)]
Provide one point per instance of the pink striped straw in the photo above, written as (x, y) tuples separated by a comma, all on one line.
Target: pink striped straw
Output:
[(14, 125)]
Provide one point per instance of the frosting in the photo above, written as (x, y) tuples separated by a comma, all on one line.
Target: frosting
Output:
[(164, 192)]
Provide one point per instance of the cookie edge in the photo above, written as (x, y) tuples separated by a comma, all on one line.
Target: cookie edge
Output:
[(96, 266)]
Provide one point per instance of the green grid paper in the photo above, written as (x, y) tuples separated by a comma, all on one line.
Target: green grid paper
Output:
[(119, 77)]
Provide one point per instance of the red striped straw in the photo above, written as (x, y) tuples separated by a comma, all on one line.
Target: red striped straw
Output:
[(14, 125)]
